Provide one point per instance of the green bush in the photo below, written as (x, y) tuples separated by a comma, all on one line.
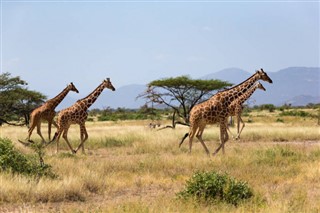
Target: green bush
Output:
[(215, 187), (280, 120), (298, 113), (12, 160), (269, 107)]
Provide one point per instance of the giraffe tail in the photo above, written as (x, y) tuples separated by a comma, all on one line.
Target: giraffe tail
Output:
[(184, 137), (53, 139)]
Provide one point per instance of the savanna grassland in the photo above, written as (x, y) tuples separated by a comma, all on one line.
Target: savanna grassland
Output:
[(129, 167)]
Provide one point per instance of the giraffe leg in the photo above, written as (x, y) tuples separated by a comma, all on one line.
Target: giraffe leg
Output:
[(32, 126), (34, 119), (199, 136), (51, 121), (49, 129), (65, 137), (83, 136), (243, 125), (58, 139), (39, 132), (223, 137), (191, 135), (228, 128), (55, 124)]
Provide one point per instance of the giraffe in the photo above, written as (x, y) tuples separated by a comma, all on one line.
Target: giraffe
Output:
[(215, 110), (46, 112), (235, 108), (77, 114)]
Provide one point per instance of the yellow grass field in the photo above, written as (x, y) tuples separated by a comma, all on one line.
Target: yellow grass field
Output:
[(129, 167)]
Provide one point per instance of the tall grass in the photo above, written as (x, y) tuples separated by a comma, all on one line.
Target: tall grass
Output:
[(131, 168)]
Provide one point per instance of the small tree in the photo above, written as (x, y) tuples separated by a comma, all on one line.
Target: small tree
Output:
[(181, 94), (16, 101)]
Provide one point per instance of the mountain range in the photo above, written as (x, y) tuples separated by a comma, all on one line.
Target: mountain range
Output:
[(297, 86)]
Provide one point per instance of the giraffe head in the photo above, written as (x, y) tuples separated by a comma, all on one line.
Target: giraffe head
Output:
[(107, 84), (260, 86), (71, 87), (263, 76)]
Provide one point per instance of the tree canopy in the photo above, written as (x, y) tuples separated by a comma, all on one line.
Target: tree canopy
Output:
[(181, 93), (16, 101)]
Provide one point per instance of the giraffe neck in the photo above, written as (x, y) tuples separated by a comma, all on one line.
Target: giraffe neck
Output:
[(235, 92), (91, 98), (245, 96), (54, 102)]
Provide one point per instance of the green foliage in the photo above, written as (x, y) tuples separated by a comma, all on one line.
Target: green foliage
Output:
[(13, 161), (298, 113), (215, 187), (269, 107), (128, 114), (246, 110), (16, 100), (183, 82), (181, 93), (280, 120)]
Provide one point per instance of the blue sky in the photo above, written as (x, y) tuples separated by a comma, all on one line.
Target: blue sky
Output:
[(51, 43)]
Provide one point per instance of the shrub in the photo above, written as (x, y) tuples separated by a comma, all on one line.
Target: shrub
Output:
[(215, 187), (298, 113), (269, 107), (280, 120), (13, 161)]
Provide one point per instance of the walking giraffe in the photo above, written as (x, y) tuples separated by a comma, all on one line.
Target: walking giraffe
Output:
[(46, 112), (215, 110), (77, 114), (236, 107)]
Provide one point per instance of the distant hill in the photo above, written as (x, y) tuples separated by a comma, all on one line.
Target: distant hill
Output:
[(297, 86), (303, 100), (124, 97), (233, 75)]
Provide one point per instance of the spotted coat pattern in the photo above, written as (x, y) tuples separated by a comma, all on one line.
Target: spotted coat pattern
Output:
[(236, 106), (215, 110), (77, 114), (47, 112)]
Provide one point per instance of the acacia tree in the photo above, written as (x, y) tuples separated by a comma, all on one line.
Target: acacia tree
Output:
[(181, 94), (16, 101)]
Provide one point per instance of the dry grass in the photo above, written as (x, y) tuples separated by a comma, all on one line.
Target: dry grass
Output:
[(131, 168)]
